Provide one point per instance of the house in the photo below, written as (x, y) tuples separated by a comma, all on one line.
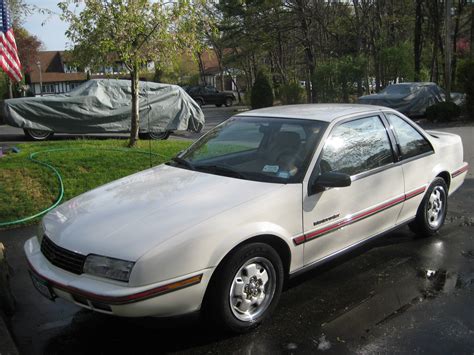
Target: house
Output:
[(211, 73), (51, 74)]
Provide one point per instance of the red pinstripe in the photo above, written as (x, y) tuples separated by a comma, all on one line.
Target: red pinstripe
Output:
[(357, 217)]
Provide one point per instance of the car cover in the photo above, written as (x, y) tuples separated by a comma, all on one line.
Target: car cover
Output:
[(407, 98), (104, 105)]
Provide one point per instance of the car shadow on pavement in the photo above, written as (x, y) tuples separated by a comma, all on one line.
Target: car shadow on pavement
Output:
[(95, 333)]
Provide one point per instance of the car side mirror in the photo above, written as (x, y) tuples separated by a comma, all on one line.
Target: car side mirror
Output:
[(327, 180)]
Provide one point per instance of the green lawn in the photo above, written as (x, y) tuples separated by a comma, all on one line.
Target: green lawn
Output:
[(27, 188)]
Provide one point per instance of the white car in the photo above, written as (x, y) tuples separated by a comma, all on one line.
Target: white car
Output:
[(261, 198)]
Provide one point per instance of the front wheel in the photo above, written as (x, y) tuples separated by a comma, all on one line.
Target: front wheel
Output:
[(37, 135), (432, 210), (246, 288)]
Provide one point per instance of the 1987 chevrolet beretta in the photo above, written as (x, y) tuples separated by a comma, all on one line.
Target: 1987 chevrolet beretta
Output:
[(262, 197)]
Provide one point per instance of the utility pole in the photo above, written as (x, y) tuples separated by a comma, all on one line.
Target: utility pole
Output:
[(448, 49), (38, 63)]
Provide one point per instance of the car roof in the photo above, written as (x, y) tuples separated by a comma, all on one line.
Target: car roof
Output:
[(320, 112), (415, 83)]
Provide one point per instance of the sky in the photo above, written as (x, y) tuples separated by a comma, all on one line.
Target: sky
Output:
[(51, 33)]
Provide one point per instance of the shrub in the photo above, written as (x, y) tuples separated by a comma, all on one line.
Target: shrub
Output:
[(262, 94), (443, 111), (291, 94), (465, 74)]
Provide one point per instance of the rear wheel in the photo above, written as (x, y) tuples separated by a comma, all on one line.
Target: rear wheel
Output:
[(200, 102), (155, 135), (432, 211), (246, 288), (228, 102), (37, 135)]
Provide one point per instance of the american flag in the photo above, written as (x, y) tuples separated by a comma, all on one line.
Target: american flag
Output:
[(9, 60)]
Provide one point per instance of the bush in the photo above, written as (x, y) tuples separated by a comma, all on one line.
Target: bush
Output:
[(291, 94), (262, 94), (443, 111), (465, 74)]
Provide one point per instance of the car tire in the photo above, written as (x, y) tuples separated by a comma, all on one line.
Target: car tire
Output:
[(432, 211), (155, 136), (37, 135), (200, 102), (228, 102), (245, 289)]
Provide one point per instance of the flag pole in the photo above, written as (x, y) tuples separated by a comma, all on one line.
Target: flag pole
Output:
[(10, 88)]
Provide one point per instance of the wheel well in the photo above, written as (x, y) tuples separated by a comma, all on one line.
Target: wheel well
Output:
[(275, 242), (446, 177)]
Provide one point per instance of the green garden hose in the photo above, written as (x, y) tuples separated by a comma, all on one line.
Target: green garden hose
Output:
[(60, 179)]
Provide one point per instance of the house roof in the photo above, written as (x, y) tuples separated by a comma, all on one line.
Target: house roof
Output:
[(56, 77), (52, 69), (210, 62)]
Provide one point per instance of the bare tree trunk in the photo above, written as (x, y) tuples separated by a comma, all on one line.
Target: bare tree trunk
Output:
[(417, 45), (436, 20), (360, 90), (447, 51), (309, 53), (135, 126), (471, 43), (237, 87), (455, 39), (201, 68)]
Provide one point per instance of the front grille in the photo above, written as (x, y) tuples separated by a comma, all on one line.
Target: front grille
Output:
[(62, 258)]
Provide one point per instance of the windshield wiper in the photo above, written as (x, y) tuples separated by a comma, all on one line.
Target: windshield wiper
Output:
[(183, 162), (222, 170)]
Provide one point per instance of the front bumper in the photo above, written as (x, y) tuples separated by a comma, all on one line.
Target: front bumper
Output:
[(172, 297)]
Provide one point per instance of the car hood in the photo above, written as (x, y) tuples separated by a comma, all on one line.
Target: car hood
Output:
[(126, 218)]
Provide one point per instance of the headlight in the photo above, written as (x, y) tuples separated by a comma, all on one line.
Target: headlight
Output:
[(40, 232), (110, 268)]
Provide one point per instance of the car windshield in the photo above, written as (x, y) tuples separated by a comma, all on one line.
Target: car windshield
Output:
[(256, 148), (398, 90)]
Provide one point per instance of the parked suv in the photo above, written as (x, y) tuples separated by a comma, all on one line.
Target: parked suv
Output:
[(209, 95)]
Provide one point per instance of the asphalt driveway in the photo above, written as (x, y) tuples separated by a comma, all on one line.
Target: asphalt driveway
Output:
[(396, 295)]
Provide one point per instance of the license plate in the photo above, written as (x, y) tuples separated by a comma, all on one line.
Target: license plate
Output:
[(42, 287)]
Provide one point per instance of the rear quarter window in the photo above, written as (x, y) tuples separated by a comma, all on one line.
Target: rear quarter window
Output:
[(411, 142)]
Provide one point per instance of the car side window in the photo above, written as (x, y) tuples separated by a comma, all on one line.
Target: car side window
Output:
[(357, 146), (411, 142)]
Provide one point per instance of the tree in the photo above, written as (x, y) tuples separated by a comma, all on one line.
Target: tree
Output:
[(262, 94), (28, 48), (133, 32)]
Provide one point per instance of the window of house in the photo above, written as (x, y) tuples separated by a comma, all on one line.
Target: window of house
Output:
[(411, 142), (357, 146), (48, 89)]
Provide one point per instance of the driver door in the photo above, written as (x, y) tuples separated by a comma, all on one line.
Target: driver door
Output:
[(337, 218)]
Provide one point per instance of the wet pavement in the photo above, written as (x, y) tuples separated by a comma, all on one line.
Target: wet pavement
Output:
[(399, 294)]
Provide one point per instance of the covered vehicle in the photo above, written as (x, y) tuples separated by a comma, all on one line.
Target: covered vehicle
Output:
[(411, 99), (104, 106)]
